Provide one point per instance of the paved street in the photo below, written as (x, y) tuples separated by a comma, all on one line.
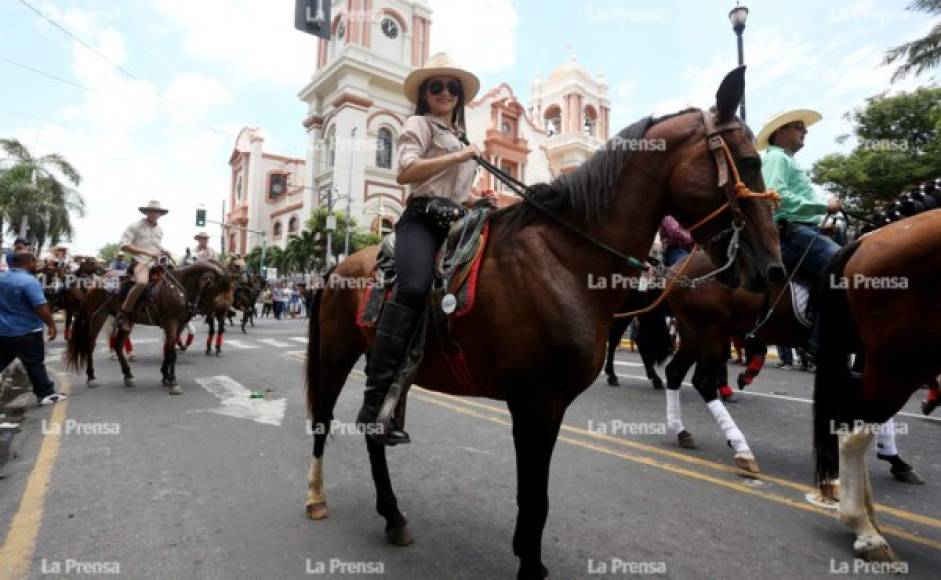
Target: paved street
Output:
[(211, 484)]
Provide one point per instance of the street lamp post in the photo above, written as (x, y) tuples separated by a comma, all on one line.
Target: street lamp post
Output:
[(349, 196), (738, 16)]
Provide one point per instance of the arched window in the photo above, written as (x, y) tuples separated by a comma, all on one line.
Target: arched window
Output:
[(292, 225), (591, 121), (384, 148), (330, 148), (232, 242), (277, 229), (553, 119)]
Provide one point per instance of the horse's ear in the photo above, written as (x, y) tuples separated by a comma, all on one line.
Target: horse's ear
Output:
[(730, 94)]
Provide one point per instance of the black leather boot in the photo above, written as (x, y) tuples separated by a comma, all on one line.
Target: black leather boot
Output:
[(393, 334)]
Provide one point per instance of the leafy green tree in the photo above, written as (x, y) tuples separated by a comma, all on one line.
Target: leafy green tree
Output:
[(37, 192), (109, 251), (898, 145), (359, 239), (919, 55)]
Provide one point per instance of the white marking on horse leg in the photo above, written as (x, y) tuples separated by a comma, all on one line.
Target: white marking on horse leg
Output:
[(674, 413), (885, 439), (730, 430), (316, 499), (854, 484)]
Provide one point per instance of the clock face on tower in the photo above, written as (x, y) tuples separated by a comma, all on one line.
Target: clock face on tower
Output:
[(389, 28)]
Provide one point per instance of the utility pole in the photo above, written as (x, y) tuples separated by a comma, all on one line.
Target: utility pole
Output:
[(327, 250), (222, 238), (349, 196)]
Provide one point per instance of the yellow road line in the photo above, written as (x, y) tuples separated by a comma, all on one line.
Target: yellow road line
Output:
[(16, 553), (803, 488), (735, 486)]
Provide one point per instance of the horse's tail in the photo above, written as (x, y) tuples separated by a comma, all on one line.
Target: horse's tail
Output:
[(653, 333), (834, 387), (313, 353), (86, 325)]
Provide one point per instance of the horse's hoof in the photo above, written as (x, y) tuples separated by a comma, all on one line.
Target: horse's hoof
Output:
[(91, 383), (219, 354), (746, 462), (175, 390), (532, 572), (927, 407), (613, 381), (908, 476), (742, 382), (657, 384), (208, 352), (685, 439), (399, 536), (317, 511), (873, 549), (165, 382), (128, 382)]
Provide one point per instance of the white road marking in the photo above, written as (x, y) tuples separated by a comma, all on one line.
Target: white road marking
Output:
[(300, 339), (237, 402), (274, 342), (628, 364), (787, 398), (239, 344)]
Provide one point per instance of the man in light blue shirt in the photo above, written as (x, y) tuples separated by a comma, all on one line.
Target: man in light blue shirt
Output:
[(23, 311)]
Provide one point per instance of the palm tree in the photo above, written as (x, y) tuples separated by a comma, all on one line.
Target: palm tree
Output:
[(33, 195), (922, 54), (302, 250)]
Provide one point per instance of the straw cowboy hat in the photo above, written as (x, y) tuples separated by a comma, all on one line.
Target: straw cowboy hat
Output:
[(808, 116), (201, 235), (153, 205), (441, 64)]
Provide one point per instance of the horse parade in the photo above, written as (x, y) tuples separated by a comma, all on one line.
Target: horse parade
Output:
[(669, 267)]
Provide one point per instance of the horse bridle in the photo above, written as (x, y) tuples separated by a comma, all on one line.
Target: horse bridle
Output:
[(735, 189)]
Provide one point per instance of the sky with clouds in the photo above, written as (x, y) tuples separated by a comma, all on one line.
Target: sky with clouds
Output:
[(195, 72)]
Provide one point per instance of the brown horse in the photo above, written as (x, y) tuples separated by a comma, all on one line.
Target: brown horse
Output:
[(77, 287), (216, 313), (536, 337), (877, 305), (176, 295)]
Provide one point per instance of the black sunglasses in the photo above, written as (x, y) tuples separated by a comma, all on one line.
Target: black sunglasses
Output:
[(454, 87)]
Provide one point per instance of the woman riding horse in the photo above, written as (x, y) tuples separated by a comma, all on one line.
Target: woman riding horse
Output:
[(434, 162)]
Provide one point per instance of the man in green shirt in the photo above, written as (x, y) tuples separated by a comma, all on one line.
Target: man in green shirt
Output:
[(803, 247)]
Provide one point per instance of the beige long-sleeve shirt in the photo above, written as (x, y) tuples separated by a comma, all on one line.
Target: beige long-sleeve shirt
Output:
[(144, 236), (425, 137)]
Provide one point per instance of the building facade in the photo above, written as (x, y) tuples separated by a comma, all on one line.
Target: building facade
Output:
[(357, 109)]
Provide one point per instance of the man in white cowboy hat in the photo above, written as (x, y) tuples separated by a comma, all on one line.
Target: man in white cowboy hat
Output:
[(143, 240), (802, 207), (203, 251), (120, 262)]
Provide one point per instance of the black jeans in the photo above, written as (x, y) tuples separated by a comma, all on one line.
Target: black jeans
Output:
[(416, 242), (29, 348)]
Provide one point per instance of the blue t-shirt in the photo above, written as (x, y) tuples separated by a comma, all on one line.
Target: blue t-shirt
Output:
[(20, 294)]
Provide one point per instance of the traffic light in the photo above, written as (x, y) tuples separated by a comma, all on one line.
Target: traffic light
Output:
[(313, 17), (201, 217)]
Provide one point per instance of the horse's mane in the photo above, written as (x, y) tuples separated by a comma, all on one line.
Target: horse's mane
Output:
[(200, 267), (585, 194)]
